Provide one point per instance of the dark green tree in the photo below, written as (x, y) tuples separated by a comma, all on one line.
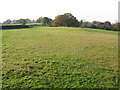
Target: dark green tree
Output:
[(44, 20), (107, 25)]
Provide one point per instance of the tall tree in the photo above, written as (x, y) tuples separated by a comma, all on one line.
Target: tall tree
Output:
[(66, 19)]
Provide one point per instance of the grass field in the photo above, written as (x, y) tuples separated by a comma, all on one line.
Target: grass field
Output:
[(60, 57)]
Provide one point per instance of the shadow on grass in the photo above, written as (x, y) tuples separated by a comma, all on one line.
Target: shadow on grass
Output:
[(14, 27)]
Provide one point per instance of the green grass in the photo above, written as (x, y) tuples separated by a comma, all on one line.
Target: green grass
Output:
[(60, 57)]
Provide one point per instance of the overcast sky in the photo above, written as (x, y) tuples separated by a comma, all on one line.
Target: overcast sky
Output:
[(89, 10)]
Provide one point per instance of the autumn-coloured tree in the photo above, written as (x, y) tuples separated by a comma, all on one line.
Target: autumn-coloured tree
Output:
[(116, 26), (66, 19)]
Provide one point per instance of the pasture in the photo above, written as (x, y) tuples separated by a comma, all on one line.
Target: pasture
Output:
[(59, 57)]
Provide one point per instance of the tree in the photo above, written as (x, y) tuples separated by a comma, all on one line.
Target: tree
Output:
[(33, 21), (58, 21), (66, 19), (28, 20), (116, 26), (14, 21), (8, 21), (39, 20), (80, 23), (44, 20), (86, 24), (22, 21), (97, 24), (107, 25)]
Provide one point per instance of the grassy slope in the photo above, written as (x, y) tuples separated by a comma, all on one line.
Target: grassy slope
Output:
[(60, 57)]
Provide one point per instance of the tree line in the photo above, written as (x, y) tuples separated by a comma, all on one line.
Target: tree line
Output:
[(67, 20)]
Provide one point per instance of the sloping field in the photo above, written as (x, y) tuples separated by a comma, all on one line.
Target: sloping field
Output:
[(60, 57)]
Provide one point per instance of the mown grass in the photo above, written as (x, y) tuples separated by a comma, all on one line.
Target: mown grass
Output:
[(60, 57)]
